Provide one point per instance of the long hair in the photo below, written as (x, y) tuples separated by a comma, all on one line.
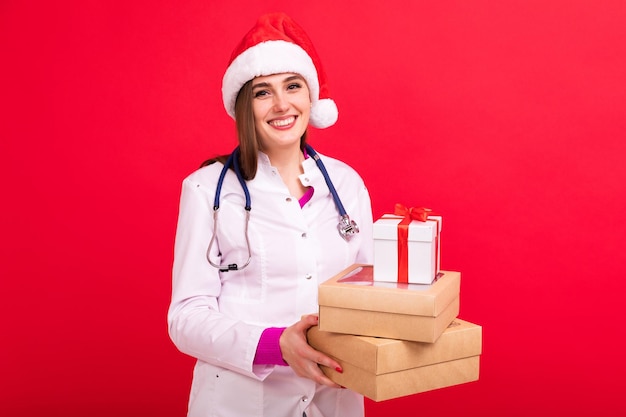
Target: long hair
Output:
[(246, 132), (246, 135)]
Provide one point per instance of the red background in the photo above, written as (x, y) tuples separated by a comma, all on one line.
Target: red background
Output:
[(506, 117)]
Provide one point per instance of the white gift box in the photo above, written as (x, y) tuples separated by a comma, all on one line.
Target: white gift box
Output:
[(422, 250)]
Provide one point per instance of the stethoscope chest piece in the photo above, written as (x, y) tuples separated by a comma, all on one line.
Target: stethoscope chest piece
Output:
[(347, 228)]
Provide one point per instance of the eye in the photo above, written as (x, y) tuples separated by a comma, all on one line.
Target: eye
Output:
[(261, 93), (294, 86)]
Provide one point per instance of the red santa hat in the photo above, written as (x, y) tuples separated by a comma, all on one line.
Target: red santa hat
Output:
[(276, 44)]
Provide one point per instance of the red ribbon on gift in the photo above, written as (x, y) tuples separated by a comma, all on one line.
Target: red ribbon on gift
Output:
[(414, 213), (409, 214)]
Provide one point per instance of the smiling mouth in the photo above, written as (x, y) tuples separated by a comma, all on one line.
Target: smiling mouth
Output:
[(283, 122)]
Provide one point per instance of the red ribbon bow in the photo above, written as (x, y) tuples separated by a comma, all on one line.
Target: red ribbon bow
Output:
[(412, 213)]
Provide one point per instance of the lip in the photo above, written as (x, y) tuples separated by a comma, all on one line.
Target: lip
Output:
[(283, 123)]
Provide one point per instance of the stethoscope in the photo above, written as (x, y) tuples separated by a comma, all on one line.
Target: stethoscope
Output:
[(346, 227)]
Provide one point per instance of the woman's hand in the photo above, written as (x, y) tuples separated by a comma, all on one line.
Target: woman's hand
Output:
[(302, 358)]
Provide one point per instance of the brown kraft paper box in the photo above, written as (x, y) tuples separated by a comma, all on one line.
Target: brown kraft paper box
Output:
[(383, 369), (353, 303)]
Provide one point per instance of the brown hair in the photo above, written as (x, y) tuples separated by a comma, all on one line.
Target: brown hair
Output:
[(246, 134)]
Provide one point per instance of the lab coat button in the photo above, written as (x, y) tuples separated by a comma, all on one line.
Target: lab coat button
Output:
[(308, 276), (305, 399), (288, 199), (303, 235)]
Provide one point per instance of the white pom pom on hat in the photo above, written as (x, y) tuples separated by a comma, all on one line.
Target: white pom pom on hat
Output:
[(277, 44)]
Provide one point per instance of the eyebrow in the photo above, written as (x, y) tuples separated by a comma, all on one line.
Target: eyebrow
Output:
[(286, 80)]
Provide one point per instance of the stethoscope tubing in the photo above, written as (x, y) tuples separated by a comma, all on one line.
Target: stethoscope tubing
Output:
[(329, 183), (233, 160), (346, 227)]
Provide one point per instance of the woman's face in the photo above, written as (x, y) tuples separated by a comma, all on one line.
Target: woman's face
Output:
[(281, 107)]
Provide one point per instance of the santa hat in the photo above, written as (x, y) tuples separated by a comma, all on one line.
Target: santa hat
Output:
[(276, 44)]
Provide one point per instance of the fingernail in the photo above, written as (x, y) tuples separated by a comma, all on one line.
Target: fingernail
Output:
[(338, 369)]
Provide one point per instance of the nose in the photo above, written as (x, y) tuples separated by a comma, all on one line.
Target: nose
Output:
[(281, 102)]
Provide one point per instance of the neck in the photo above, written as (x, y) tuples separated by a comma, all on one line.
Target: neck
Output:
[(286, 159), (289, 165)]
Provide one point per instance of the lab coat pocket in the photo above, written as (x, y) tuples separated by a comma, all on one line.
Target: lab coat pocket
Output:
[(220, 392)]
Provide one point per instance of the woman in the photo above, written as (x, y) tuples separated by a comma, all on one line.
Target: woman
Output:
[(245, 280)]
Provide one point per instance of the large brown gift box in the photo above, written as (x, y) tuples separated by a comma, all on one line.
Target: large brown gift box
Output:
[(353, 303), (382, 369)]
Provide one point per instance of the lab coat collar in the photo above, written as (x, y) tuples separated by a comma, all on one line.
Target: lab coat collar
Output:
[(311, 177)]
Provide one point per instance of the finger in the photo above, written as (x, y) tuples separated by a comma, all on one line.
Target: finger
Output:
[(321, 378), (322, 359), (324, 380), (310, 319), (314, 372)]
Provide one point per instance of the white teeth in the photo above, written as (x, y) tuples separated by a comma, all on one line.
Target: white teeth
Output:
[(284, 122)]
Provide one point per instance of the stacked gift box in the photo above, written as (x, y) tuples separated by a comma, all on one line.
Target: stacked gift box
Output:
[(393, 326)]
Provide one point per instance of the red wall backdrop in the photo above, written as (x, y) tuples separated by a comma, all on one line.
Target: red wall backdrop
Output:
[(507, 117)]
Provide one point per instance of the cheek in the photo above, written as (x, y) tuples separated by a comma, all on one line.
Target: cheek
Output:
[(258, 111), (304, 104)]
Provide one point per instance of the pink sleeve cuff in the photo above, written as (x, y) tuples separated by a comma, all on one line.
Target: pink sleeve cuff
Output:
[(268, 351)]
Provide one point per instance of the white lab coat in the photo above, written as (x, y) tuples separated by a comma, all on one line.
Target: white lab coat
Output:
[(218, 317)]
